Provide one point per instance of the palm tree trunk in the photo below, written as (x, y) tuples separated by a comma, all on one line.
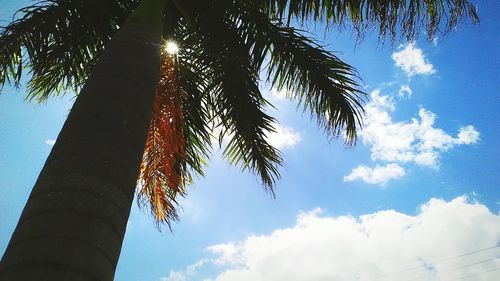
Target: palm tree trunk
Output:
[(73, 224)]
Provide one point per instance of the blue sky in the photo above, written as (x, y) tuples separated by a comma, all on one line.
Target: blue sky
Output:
[(421, 185)]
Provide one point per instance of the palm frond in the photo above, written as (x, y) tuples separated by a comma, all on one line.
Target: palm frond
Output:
[(178, 140), (59, 42), (162, 177), (407, 17), (237, 101), (314, 77), (196, 117), (321, 81), (194, 81)]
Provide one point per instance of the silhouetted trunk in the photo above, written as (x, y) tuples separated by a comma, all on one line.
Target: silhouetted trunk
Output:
[(73, 224)]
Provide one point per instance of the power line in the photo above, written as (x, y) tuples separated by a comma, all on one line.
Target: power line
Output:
[(479, 273), (453, 269), (437, 262)]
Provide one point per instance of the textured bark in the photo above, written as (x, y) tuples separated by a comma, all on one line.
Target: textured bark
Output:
[(73, 224)]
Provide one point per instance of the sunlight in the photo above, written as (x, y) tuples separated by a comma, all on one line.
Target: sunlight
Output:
[(171, 47)]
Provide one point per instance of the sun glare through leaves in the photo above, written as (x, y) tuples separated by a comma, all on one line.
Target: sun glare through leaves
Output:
[(171, 48)]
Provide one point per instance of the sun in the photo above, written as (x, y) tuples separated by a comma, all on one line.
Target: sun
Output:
[(171, 48)]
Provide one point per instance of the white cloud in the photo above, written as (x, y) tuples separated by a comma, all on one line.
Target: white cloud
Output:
[(405, 91), (282, 94), (378, 175), (50, 142), (386, 245), (468, 135), (412, 60), (412, 141), (188, 274), (283, 137), (435, 41)]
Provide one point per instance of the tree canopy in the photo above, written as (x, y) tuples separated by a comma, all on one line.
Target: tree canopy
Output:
[(226, 47)]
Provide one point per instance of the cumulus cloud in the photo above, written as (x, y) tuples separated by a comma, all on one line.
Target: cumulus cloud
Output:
[(412, 60), (406, 141), (50, 142), (413, 141), (445, 241), (468, 135), (283, 137), (378, 175)]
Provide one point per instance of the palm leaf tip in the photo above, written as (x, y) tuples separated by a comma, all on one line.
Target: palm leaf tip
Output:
[(390, 17)]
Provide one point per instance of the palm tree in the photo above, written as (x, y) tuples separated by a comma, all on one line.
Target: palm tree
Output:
[(74, 221)]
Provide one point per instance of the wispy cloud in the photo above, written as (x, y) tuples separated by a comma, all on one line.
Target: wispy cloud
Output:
[(433, 243), (412, 60), (50, 142), (189, 273), (282, 94), (412, 141), (435, 41), (405, 91)]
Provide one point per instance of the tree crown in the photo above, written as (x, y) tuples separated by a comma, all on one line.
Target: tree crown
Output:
[(225, 44)]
